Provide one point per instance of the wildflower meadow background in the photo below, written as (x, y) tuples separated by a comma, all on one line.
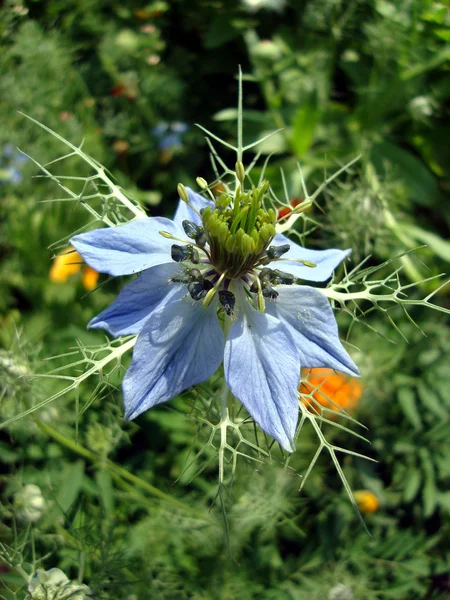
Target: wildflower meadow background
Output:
[(93, 506)]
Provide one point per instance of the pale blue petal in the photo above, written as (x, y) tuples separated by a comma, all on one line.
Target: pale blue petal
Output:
[(326, 260), (262, 368), (185, 212), (129, 248), (181, 345), (136, 302), (312, 324)]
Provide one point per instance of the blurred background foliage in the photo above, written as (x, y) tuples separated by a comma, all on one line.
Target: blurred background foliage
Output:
[(338, 79)]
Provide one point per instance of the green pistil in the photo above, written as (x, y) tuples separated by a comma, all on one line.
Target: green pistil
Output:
[(239, 230)]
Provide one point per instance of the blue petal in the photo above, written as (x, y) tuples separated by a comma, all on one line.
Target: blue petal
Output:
[(129, 248), (185, 212), (262, 368), (312, 324), (135, 303), (180, 346), (326, 260)]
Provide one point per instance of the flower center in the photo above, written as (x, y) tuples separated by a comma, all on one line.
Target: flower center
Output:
[(238, 231), (233, 242)]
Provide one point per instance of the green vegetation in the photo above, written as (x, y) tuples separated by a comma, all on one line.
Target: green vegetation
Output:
[(135, 510)]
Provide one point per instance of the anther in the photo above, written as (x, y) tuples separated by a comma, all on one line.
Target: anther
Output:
[(275, 252), (196, 274), (269, 292), (240, 171), (266, 274), (182, 192), (182, 253), (308, 263), (202, 183), (281, 277), (182, 278), (199, 289), (195, 232), (227, 299)]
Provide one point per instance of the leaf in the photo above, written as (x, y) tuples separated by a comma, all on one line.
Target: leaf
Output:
[(429, 492), (222, 30), (439, 246), (412, 485), (104, 482), (71, 485), (407, 401), (431, 400), (304, 126), (389, 159)]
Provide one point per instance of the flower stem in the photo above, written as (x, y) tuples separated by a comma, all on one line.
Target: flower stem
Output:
[(223, 427)]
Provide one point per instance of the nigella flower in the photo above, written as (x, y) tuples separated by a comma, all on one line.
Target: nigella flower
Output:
[(10, 165), (170, 135), (219, 285)]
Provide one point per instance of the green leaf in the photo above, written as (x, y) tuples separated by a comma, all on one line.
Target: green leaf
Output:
[(104, 482), (389, 159), (304, 126), (429, 492), (407, 401), (444, 34), (71, 485), (439, 246), (431, 400), (222, 29), (412, 485)]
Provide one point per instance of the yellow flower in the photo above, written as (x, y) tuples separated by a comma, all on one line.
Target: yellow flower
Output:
[(367, 501), (69, 263), (330, 389)]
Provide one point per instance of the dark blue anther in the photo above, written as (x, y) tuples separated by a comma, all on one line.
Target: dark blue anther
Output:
[(199, 289), (274, 252), (195, 232), (182, 253), (227, 299)]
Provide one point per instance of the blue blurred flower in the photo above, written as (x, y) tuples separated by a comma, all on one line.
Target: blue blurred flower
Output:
[(10, 165), (170, 135), (209, 293)]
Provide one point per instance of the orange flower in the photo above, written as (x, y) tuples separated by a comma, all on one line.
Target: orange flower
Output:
[(285, 210), (90, 278), (366, 501), (69, 263), (330, 389)]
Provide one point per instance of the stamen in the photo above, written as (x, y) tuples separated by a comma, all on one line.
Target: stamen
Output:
[(199, 289), (266, 274), (228, 300), (195, 232), (196, 274), (306, 263), (182, 253), (210, 295), (169, 236), (181, 278), (296, 210), (260, 303), (269, 292), (280, 277), (183, 193), (275, 252)]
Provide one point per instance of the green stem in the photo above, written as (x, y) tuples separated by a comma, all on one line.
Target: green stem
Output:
[(116, 470)]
